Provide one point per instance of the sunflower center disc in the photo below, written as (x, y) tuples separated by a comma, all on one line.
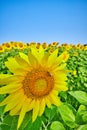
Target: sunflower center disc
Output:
[(38, 83)]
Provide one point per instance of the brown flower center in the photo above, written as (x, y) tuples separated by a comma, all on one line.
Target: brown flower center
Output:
[(38, 83)]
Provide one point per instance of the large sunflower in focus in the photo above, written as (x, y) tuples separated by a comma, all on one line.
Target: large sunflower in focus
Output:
[(36, 80)]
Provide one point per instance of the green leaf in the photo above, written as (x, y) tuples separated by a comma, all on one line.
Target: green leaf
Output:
[(85, 116), (26, 120), (81, 117), (67, 115), (2, 97), (83, 127), (10, 121), (2, 110), (4, 127), (63, 95), (34, 126), (80, 96), (82, 107), (56, 125), (51, 112)]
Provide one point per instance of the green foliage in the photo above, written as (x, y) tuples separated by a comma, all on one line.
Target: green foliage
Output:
[(56, 125), (34, 126), (80, 96), (67, 115), (81, 115), (50, 113), (83, 127), (9, 123)]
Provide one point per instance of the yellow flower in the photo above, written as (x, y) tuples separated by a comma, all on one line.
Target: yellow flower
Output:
[(36, 81), (14, 44), (2, 49), (55, 43), (21, 45), (7, 46), (85, 47), (75, 53), (44, 45)]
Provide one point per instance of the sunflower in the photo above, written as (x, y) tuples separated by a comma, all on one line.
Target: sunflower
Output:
[(7, 46), (1, 49), (35, 82)]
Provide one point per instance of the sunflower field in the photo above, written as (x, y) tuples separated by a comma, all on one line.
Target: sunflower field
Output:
[(43, 86)]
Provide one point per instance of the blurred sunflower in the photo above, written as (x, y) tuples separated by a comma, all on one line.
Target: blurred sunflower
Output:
[(1, 49), (35, 83)]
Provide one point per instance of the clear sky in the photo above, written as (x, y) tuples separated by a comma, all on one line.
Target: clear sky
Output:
[(43, 21)]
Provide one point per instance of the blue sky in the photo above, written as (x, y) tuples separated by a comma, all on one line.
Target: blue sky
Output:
[(43, 21)]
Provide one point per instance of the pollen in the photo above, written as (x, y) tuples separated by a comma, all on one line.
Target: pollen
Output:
[(38, 83)]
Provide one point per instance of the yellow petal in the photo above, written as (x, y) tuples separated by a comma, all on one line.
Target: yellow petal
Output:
[(35, 52), (42, 107), (11, 79), (22, 62), (62, 58), (32, 59), (31, 105), (10, 98), (66, 56), (11, 105), (14, 67), (54, 92), (60, 76), (52, 58), (48, 101), (10, 88), (17, 108), (24, 56), (13, 102), (45, 59), (2, 76), (60, 87), (41, 53), (38, 53), (22, 113), (61, 67), (36, 110), (12, 64), (55, 99), (60, 82), (20, 71)]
